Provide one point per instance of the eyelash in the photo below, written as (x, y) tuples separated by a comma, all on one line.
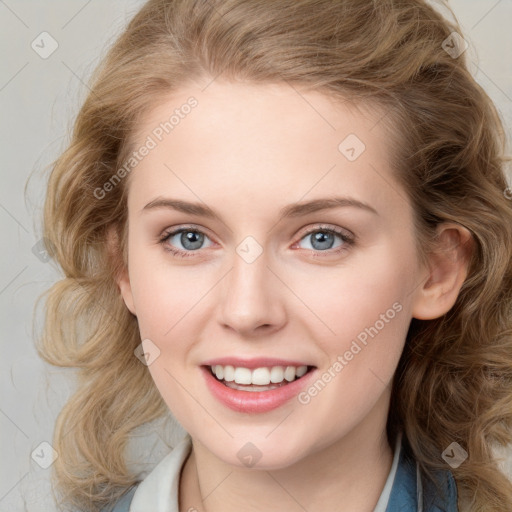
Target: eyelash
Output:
[(348, 241)]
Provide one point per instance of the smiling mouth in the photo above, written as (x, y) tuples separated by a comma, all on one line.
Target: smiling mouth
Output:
[(259, 379)]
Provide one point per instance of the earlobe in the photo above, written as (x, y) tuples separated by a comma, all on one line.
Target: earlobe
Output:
[(448, 269), (122, 277)]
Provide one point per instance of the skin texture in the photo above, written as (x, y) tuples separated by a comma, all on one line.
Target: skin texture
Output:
[(246, 151)]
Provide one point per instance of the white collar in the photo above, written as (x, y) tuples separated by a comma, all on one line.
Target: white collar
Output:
[(158, 492), (386, 492)]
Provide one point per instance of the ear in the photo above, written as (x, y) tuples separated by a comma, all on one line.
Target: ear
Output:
[(448, 268), (121, 274)]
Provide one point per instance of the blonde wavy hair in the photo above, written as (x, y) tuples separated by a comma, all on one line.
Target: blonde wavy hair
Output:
[(454, 379)]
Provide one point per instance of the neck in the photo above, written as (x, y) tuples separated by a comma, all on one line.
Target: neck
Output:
[(345, 476)]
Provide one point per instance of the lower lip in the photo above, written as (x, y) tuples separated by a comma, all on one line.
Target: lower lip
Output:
[(254, 401)]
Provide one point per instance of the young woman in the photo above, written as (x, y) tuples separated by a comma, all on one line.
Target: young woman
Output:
[(287, 223)]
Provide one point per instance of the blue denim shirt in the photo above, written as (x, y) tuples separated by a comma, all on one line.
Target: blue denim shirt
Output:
[(408, 492)]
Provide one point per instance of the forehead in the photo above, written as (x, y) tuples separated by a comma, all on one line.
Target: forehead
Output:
[(256, 108), (252, 138)]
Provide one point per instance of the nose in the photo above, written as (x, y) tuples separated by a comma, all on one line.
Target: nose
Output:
[(252, 298)]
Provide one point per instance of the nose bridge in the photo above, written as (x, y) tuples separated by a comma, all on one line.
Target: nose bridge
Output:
[(249, 295)]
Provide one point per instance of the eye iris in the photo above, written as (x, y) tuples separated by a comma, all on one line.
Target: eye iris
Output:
[(196, 239), (321, 237)]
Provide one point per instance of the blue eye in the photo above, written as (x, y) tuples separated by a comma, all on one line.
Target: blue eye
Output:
[(321, 240), (190, 239)]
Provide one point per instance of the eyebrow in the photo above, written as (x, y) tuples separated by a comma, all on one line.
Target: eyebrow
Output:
[(292, 210)]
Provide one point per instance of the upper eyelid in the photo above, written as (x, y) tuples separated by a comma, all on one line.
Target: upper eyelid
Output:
[(326, 227)]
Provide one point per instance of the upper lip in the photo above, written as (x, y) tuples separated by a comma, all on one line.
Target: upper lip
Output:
[(256, 362)]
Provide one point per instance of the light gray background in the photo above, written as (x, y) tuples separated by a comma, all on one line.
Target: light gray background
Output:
[(39, 99)]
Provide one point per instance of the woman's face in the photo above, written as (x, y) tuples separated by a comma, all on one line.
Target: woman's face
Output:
[(265, 269)]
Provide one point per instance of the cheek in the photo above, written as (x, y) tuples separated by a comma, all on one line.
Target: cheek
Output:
[(352, 297), (163, 294), (366, 310)]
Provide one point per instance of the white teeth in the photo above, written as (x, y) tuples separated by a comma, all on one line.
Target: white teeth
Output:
[(229, 373), (276, 374), (259, 376), (232, 385), (301, 370), (289, 373), (242, 375), (219, 372)]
